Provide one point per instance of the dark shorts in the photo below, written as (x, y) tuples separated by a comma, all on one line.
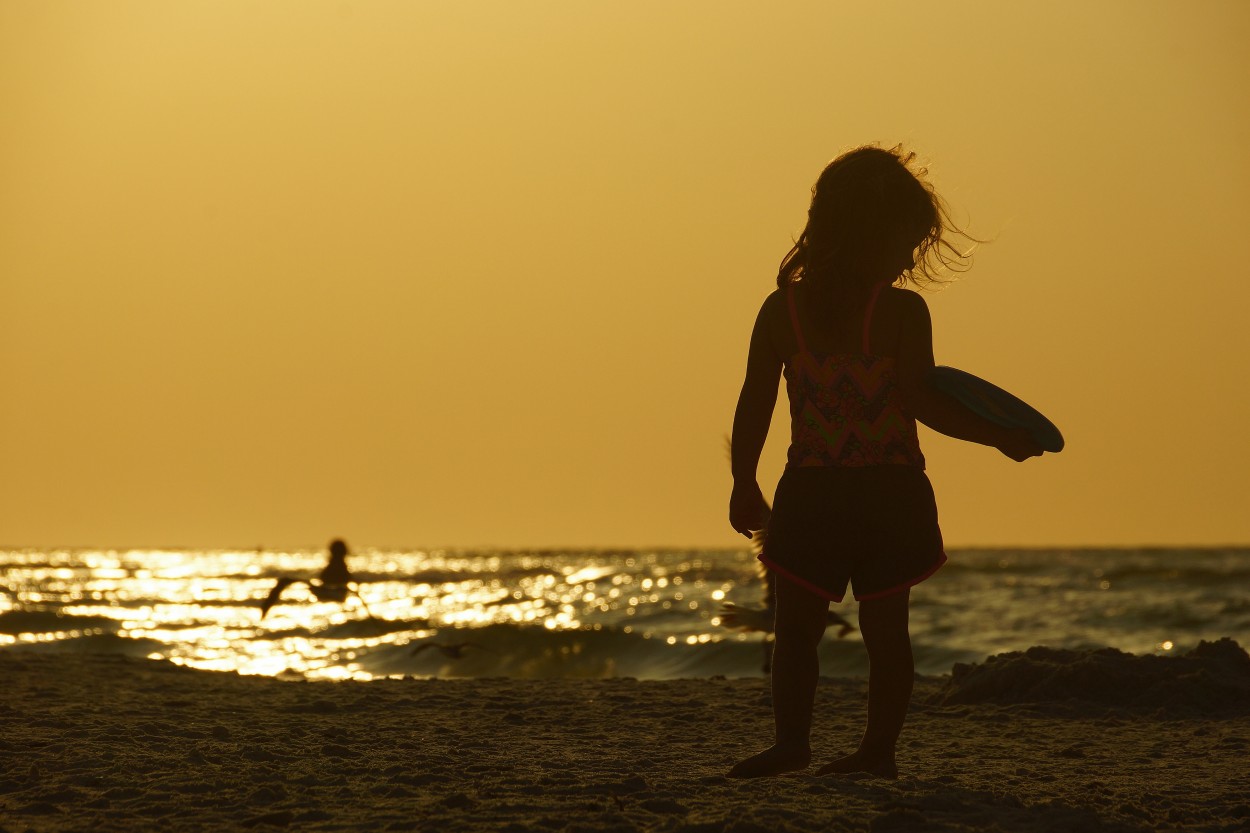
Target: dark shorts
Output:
[(874, 527)]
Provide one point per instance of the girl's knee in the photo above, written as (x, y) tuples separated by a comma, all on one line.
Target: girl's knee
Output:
[(802, 629), (885, 617), (801, 614), (888, 610)]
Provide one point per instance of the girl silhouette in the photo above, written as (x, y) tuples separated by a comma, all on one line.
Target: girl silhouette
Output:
[(854, 505)]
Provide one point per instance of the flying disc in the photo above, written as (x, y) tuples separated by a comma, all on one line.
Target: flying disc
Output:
[(997, 405)]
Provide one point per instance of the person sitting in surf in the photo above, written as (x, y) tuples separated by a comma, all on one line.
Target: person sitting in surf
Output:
[(332, 584)]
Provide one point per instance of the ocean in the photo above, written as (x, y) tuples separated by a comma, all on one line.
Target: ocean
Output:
[(647, 614)]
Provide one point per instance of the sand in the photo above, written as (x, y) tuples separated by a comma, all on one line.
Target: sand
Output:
[(104, 743)]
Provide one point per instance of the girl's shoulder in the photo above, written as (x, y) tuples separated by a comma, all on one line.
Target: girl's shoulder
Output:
[(904, 302), (775, 306), (903, 295), (900, 313), (777, 297), (774, 319)]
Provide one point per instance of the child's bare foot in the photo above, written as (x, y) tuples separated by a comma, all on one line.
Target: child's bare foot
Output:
[(774, 760), (882, 766)]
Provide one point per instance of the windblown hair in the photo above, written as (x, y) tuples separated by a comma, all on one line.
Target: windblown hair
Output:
[(869, 203)]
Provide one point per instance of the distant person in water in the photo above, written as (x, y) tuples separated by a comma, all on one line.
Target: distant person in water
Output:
[(333, 583), (854, 505)]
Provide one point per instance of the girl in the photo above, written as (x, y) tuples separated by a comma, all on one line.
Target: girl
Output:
[(854, 505)]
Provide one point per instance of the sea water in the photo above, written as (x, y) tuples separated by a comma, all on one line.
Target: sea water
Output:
[(562, 613)]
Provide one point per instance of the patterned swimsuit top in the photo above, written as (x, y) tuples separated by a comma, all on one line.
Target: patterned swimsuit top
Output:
[(845, 408)]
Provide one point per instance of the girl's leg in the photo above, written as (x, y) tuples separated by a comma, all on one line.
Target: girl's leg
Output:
[(800, 623), (883, 623)]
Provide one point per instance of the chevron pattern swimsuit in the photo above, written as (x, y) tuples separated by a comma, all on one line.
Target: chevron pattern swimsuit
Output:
[(854, 506)]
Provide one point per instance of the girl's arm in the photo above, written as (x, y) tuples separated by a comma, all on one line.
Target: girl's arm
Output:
[(939, 410), (752, 418)]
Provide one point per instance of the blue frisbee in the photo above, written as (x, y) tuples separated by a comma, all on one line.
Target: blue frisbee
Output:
[(996, 405)]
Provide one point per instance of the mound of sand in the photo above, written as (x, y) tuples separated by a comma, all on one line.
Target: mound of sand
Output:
[(1212, 679)]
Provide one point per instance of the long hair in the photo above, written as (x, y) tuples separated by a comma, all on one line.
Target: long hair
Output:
[(869, 203)]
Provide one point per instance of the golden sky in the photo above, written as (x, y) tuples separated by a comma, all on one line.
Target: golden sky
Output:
[(483, 273)]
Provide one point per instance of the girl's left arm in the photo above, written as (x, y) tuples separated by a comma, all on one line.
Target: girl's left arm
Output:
[(939, 410)]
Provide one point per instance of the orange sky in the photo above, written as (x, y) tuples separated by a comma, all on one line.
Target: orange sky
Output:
[(483, 273)]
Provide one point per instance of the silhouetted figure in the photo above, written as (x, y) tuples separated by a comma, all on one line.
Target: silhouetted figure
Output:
[(453, 650), (333, 583), (854, 505)]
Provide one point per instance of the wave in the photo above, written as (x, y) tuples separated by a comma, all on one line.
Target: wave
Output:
[(95, 642), (361, 628), (52, 620), (637, 614), (535, 652)]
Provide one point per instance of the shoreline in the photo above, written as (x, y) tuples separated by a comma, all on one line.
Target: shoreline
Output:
[(104, 743)]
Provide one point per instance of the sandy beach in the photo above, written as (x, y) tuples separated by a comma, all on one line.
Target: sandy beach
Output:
[(1035, 741)]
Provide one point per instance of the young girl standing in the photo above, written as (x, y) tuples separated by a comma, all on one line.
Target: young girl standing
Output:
[(854, 505)]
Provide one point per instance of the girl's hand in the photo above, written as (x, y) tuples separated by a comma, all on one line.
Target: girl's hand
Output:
[(1019, 445), (748, 511)]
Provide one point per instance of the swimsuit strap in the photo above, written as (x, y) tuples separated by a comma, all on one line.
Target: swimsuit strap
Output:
[(794, 318), (872, 303)]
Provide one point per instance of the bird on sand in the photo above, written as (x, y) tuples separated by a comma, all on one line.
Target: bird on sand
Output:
[(453, 650)]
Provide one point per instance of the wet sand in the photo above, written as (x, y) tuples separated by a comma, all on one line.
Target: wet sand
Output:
[(104, 743)]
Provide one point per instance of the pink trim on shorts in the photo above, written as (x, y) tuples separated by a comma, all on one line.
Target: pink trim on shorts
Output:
[(900, 588), (801, 582)]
